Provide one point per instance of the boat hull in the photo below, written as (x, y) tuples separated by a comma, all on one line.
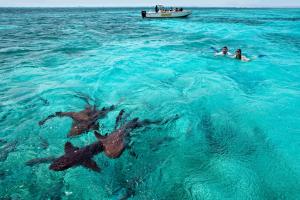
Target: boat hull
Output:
[(166, 14)]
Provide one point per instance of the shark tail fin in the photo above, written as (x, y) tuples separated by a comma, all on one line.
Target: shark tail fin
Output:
[(91, 164)]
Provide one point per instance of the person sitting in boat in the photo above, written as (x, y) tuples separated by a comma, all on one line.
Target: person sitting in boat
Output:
[(238, 55), (223, 52)]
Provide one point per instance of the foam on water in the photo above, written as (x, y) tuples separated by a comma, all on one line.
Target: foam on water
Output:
[(239, 131)]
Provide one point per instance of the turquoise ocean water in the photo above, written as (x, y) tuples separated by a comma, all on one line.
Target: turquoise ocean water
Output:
[(238, 136)]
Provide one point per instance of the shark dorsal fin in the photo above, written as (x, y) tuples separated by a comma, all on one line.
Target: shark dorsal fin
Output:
[(69, 147), (91, 165), (98, 135)]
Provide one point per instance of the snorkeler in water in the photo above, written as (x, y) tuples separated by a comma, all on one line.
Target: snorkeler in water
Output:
[(223, 52), (238, 55)]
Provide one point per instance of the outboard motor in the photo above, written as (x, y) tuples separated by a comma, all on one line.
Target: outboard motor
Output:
[(143, 14)]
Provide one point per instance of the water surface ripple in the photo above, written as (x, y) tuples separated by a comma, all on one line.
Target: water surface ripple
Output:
[(239, 132)]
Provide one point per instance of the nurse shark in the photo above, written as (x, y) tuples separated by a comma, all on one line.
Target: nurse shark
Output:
[(113, 145), (83, 121)]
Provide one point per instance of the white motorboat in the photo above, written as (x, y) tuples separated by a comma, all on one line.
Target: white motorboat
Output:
[(161, 12)]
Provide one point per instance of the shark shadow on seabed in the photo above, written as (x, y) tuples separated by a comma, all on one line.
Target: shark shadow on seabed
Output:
[(6, 149)]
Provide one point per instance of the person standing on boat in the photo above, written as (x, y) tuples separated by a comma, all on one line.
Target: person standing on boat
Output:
[(156, 9)]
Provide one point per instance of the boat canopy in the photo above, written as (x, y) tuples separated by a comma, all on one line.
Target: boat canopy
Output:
[(162, 12), (162, 8)]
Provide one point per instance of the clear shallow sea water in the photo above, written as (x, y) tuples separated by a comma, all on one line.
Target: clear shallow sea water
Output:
[(238, 136)]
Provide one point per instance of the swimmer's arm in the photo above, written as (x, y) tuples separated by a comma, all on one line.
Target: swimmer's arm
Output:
[(245, 59), (218, 54), (229, 54)]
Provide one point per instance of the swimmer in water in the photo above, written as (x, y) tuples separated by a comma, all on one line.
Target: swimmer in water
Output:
[(238, 55), (223, 52)]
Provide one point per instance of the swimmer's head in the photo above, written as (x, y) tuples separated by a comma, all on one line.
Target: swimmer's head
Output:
[(238, 54), (224, 50)]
